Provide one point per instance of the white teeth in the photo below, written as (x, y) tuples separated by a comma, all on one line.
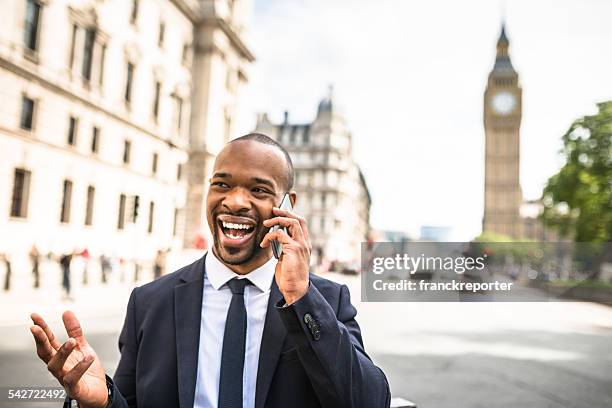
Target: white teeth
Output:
[(235, 226), (227, 226), (232, 236)]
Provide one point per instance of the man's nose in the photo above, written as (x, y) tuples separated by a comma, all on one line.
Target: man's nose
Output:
[(237, 200)]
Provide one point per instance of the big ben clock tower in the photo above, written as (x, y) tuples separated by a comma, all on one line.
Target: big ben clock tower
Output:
[(502, 121)]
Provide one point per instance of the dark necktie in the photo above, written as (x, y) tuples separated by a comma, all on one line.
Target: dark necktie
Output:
[(234, 340)]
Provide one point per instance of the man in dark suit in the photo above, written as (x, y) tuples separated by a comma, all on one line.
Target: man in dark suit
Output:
[(236, 328)]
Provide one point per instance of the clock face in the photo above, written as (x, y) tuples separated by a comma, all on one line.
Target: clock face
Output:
[(503, 103)]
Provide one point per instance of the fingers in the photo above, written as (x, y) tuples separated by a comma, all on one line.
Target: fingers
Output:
[(39, 321), (289, 214), (283, 221), (286, 213), (280, 236), (72, 377), (298, 229), (43, 348), (295, 229), (73, 328), (56, 364), (55, 354)]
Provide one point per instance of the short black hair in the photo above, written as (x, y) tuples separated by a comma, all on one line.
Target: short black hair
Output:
[(261, 138)]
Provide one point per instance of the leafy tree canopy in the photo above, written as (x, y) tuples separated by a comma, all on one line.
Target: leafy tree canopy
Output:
[(578, 199)]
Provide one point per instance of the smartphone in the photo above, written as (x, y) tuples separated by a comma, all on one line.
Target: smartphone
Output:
[(277, 247)]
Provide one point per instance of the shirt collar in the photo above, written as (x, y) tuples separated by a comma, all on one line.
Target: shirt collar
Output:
[(219, 274)]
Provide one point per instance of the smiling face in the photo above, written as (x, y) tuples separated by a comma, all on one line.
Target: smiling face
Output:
[(249, 178)]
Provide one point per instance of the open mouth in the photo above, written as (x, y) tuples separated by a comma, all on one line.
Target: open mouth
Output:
[(235, 232)]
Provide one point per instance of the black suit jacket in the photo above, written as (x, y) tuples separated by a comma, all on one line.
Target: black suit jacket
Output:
[(303, 362)]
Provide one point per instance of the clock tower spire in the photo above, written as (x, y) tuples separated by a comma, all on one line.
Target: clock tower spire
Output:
[(502, 121)]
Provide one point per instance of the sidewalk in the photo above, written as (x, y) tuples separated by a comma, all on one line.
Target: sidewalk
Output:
[(90, 301)]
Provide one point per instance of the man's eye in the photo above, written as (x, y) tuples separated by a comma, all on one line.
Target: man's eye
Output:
[(260, 190), (218, 184)]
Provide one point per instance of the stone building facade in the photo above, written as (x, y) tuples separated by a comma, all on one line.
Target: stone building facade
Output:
[(110, 110)]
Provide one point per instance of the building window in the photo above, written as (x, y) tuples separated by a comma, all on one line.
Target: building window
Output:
[(128, 83), (127, 147), (135, 208), (27, 113), (72, 46), (162, 34), (306, 135), (95, 139), (21, 193), (72, 131), (134, 13), (90, 36), (91, 193), (175, 222), (121, 218), (156, 100), (66, 201), (154, 163), (179, 171), (179, 112), (102, 60), (151, 216), (32, 22)]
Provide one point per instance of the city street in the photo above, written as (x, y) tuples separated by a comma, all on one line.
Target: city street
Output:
[(435, 354)]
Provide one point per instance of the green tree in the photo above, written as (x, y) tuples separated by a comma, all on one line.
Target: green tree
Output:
[(578, 199)]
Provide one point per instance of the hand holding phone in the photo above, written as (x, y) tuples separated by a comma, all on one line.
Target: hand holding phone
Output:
[(292, 269)]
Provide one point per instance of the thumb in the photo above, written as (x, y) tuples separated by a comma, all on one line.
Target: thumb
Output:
[(279, 264), (73, 328)]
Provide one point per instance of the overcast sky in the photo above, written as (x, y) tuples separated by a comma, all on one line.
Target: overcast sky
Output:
[(410, 76)]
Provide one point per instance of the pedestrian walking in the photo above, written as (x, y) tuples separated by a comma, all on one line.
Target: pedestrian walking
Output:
[(85, 255), (65, 261), (136, 271), (105, 267), (35, 260), (159, 264), (121, 270), (7, 276)]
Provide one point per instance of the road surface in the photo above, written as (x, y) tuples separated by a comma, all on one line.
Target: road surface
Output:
[(443, 355)]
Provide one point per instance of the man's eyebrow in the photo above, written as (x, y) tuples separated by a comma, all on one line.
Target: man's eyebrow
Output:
[(221, 175), (264, 181)]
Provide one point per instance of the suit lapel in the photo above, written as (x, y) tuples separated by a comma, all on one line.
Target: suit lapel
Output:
[(271, 343), (187, 316)]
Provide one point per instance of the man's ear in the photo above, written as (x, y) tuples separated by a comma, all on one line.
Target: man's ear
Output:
[(293, 198)]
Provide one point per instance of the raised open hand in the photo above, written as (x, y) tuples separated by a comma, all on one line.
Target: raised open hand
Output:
[(74, 363)]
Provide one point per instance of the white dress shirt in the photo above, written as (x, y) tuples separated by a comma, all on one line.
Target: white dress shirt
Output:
[(215, 304)]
